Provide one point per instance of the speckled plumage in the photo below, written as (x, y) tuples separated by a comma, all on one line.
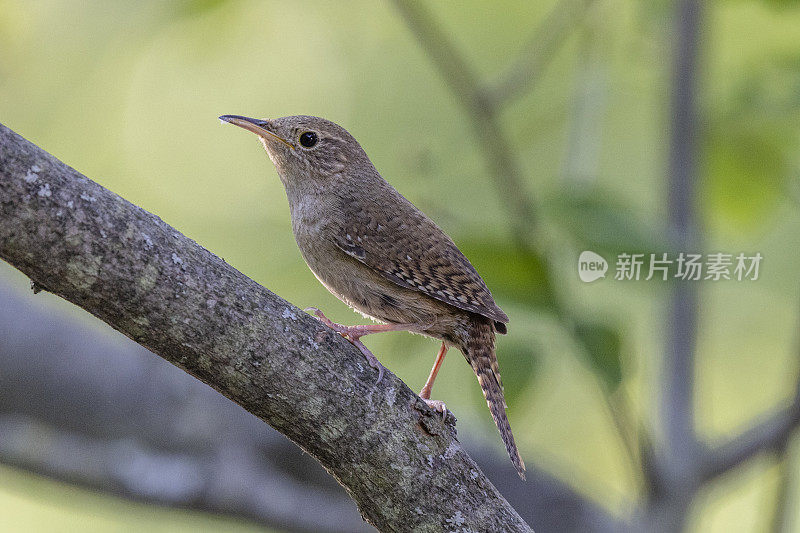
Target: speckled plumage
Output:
[(396, 241), (378, 253)]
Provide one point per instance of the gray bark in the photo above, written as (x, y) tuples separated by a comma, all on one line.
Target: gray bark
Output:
[(114, 417), (677, 457), (107, 414), (397, 459)]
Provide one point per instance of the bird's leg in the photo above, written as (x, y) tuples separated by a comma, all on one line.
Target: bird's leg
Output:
[(354, 333), (425, 393)]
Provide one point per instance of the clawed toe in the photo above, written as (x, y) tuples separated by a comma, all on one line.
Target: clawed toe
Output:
[(437, 405), (352, 334), (325, 320), (370, 357)]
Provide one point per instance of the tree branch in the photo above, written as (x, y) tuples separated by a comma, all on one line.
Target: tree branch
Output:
[(782, 512), (672, 475), (677, 382), (396, 458), (194, 448), (110, 416), (527, 70), (772, 434), (464, 83), (582, 159)]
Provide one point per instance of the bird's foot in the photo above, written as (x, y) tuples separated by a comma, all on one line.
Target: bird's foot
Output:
[(437, 405), (338, 328), (369, 356), (353, 334)]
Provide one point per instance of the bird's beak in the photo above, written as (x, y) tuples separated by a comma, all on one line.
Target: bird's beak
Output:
[(257, 126)]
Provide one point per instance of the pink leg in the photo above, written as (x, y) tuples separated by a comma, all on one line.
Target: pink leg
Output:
[(354, 333), (425, 393)]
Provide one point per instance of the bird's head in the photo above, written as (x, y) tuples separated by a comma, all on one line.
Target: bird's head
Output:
[(304, 149)]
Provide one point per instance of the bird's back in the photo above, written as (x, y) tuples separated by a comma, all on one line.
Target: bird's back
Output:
[(390, 235)]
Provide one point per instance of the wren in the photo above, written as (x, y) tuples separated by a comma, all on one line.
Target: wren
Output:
[(376, 252)]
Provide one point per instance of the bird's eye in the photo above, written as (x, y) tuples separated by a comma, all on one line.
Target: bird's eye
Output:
[(308, 139)]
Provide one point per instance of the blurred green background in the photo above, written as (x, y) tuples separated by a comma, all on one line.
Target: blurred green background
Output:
[(128, 93)]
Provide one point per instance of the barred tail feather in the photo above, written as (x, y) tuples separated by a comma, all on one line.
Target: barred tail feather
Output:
[(481, 355)]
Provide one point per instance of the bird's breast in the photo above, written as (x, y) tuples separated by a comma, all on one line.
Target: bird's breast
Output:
[(314, 223)]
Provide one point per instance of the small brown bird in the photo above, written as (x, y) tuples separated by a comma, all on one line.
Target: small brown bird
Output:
[(382, 256)]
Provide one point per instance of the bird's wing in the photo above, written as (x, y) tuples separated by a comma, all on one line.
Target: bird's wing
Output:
[(405, 246)]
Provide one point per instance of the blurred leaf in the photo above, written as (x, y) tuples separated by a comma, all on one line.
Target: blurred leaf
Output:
[(519, 366), (783, 3), (750, 147), (599, 223), (602, 345), (745, 174), (192, 8), (511, 272)]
